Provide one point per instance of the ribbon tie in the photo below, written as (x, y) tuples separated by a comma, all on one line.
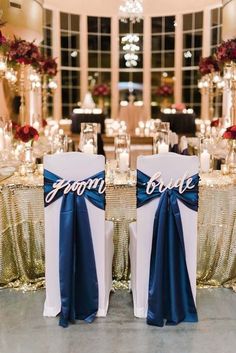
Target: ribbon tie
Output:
[(77, 268), (170, 296)]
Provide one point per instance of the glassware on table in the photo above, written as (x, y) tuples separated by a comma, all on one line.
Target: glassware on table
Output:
[(122, 151), (161, 137), (231, 157), (88, 137)]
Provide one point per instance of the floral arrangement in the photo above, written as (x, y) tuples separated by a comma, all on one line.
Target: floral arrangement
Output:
[(101, 90), (215, 122), (208, 65), (26, 133), (164, 90), (24, 52), (44, 123), (226, 51), (230, 133), (48, 66)]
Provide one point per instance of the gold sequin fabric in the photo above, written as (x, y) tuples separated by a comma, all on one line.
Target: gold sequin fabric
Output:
[(22, 231)]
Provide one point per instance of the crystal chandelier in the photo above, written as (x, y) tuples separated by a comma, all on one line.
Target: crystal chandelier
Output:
[(131, 10), (130, 48)]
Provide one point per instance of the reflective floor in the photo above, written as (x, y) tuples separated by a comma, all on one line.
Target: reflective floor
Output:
[(23, 329)]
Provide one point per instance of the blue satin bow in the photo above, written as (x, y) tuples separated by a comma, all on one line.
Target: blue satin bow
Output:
[(77, 268), (170, 296)]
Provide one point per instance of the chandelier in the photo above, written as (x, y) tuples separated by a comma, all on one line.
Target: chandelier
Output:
[(130, 48), (131, 10)]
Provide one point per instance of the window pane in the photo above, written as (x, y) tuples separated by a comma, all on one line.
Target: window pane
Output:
[(64, 58), (64, 77), (156, 24), (187, 22), (75, 61), (197, 55), (65, 40), (169, 24), (75, 41), (186, 78), (214, 36), (75, 95), (47, 18), (106, 43), (92, 60), (214, 17), (187, 41), (65, 95), (138, 77), (156, 60), (186, 95), (123, 27), (156, 79), (92, 24), (64, 20), (75, 23), (169, 60), (198, 20), (156, 42), (65, 111), (198, 39), (92, 42), (75, 78), (170, 42), (138, 27), (105, 60), (105, 25)]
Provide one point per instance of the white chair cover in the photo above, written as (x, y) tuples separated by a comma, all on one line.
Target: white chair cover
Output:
[(173, 166), (77, 166)]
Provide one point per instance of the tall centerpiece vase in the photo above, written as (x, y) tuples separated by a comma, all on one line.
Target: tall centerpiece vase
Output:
[(231, 157), (22, 93), (28, 158), (45, 97)]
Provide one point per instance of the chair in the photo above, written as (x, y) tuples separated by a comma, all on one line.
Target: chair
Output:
[(173, 166), (76, 166)]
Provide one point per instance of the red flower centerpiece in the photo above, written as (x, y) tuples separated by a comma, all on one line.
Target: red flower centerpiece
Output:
[(226, 51), (26, 134), (24, 52), (230, 134), (164, 90), (48, 66), (101, 90), (208, 65)]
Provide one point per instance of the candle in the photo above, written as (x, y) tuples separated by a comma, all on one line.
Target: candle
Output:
[(205, 161), (146, 131), (1, 139), (163, 147), (40, 169), (124, 161), (7, 141), (88, 148), (137, 131), (224, 169)]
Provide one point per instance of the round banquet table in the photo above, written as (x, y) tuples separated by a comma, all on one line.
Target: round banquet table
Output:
[(22, 229)]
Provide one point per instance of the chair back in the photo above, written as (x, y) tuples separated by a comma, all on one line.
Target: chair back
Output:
[(171, 166), (71, 166)]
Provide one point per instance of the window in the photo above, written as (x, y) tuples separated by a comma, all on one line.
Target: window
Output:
[(46, 49), (192, 51), (99, 54), (162, 57), (70, 62)]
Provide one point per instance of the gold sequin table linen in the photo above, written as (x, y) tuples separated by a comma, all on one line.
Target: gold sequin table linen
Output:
[(21, 232), (22, 229)]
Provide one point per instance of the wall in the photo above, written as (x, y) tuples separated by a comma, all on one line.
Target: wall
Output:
[(229, 23), (151, 7), (25, 22)]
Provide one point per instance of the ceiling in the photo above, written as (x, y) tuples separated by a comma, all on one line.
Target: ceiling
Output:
[(151, 7)]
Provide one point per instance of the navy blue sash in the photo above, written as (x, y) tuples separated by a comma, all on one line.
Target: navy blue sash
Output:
[(170, 296), (77, 268)]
